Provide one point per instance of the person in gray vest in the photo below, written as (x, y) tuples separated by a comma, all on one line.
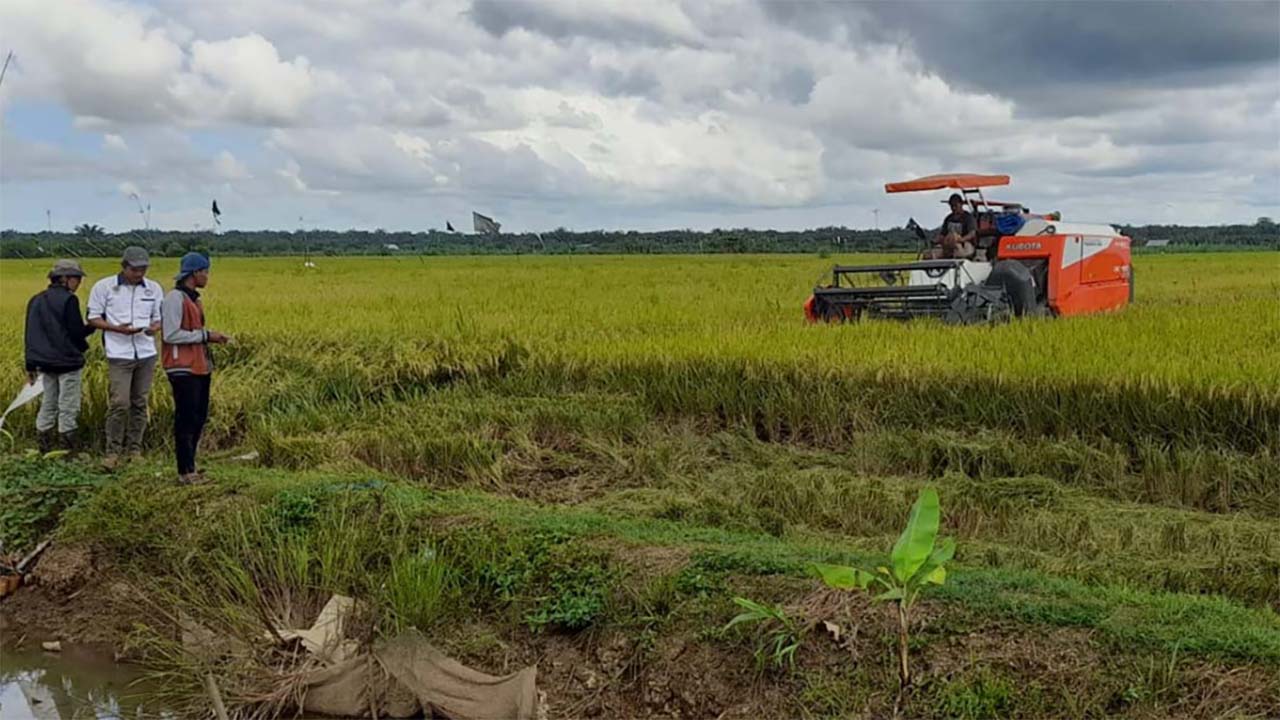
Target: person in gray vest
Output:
[(55, 342), (187, 361), (126, 307)]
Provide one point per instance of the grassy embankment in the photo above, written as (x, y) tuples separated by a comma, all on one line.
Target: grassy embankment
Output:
[(552, 453)]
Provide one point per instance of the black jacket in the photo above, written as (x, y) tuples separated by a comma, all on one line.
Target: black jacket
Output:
[(56, 333)]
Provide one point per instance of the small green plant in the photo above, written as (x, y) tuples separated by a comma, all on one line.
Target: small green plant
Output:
[(982, 694), (558, 584), (419, 588), (1157, 681), (294, 509), (695, 582), (575, 599), (779, 635), (917, 560), (835, 693), (34, 492)]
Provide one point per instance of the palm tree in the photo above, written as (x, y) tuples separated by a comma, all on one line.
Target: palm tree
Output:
[(89, 230)]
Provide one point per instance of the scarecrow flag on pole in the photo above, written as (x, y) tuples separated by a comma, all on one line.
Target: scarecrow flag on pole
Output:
[(216, 213), (486, 225), (449, 226)]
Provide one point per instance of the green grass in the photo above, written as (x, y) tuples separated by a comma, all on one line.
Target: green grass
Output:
[(548, 561), (980, 695)]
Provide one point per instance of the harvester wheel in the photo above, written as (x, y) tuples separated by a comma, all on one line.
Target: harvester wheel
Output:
[(1019, 286), (834, 314), (1130, 284)]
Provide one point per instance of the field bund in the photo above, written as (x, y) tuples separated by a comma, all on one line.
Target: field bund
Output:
[(644, 437)]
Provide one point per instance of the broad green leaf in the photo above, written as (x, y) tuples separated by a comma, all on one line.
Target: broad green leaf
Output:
[(933, 572), (916, 542), (841, 577), (893, 594), (945, 550)]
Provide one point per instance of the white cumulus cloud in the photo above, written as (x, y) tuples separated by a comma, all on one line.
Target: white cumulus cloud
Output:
[(626, 114), (243, 78)]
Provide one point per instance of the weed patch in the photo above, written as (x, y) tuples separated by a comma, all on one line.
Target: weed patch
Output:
[(983, 694), (34, 493)]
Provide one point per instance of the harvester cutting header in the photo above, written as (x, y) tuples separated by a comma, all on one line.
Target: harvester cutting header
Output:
[(987, 263)]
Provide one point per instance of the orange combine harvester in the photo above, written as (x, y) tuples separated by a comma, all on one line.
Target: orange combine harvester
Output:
[(1021, 264)]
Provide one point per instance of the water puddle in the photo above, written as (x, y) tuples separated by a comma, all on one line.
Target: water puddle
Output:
[(77, 683)]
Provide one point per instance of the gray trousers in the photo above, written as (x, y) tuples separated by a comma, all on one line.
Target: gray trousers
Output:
[(128, 387), (60, 405)]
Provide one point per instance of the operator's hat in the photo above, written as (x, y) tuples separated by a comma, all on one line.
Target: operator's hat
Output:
[(66, 268), (955, 197)]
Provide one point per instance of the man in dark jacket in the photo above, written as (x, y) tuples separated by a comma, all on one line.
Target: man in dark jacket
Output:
[(55, 346)]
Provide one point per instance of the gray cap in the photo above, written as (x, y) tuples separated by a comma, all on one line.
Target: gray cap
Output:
[(66, 268), (136, 257)]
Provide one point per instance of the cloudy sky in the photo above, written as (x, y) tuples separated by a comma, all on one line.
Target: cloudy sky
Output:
[(630, 114)]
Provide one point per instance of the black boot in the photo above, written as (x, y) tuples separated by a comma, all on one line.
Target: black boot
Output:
[(45, 441), (70, 442)]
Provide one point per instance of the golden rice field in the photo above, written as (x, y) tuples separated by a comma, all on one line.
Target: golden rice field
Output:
[(1200, 321), (1194, 361)]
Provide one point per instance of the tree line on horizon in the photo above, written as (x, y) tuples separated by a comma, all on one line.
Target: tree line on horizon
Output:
[(90, 240)]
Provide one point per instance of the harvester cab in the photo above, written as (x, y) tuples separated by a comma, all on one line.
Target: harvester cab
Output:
[(1017, 264)]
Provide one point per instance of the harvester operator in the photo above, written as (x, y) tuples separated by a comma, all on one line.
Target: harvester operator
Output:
[(957, 234)]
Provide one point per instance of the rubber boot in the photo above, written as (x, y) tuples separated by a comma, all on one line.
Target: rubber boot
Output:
[(70, 442), (45, 441)]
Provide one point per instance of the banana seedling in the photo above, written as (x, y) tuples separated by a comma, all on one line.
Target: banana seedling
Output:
[(918, 560)]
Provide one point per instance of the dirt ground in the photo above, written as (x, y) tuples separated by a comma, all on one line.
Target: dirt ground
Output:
[(72, 595)]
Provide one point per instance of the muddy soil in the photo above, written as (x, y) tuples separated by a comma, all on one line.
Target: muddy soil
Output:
[(75, 596)]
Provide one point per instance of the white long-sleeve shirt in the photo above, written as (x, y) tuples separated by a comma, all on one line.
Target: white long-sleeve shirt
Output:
[(120, 303)]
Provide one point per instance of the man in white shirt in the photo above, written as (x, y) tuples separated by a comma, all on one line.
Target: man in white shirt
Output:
[(126, 307)]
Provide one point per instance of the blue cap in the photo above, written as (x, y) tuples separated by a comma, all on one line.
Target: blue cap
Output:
[(192, 262)]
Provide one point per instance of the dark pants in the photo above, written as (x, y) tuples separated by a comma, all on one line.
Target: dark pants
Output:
[(190, 410)]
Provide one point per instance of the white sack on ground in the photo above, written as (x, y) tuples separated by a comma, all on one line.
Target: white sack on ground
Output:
[(408, 676)]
